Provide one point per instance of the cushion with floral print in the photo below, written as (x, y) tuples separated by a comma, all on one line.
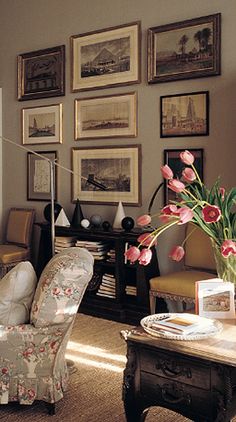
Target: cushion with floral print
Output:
[(17, 289)]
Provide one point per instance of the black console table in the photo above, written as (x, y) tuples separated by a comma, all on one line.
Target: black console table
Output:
[(124, 306)]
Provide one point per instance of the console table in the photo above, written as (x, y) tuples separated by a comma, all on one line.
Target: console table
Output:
[(194, 378)]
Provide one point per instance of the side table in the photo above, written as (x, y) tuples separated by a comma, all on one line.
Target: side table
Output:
[(194, 378)]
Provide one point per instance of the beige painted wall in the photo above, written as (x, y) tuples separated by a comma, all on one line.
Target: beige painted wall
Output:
[(27, 25)]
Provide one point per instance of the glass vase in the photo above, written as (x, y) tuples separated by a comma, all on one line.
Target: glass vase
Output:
[(225, 267)]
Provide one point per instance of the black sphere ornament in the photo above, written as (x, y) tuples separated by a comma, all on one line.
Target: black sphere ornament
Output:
[(106, 226), (47, 211), (127, 223), (96, 220)]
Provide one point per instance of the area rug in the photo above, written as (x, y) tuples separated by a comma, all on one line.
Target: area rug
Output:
[(94, 394)]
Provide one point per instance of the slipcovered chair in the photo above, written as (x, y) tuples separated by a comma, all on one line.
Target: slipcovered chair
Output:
[(199, 264), (17, 245), (32, 358)]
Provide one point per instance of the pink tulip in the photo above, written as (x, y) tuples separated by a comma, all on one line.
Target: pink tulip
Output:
[(211, 214), (177, 253), (187, 158), (132, 254), (222, 193), (147, 239), (189, 175), (145, 256), (167, 212), (228, 248), (185, 215), (176, 185), (166, 172), (144, 220)]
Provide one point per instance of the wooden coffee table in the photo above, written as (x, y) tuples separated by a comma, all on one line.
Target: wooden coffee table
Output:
[(194, 378)]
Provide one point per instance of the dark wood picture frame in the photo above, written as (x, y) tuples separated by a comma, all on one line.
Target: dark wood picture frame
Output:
[(116, 167), (184, 114), (41, 74), (38, 176), (171, 158), (184, 50)]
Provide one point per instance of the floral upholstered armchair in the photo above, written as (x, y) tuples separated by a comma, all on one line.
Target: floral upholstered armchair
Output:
[(32, 362)]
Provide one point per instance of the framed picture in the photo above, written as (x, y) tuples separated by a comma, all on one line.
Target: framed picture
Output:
[(38, 176), (42, 125), (41, 73), (171, 158), (215, 298), (105, 58), (184, 50), (116, 168), (184, 114), (106, 117)]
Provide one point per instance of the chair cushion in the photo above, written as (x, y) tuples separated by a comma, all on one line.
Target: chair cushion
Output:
[(61, 287), (16, 294), (13, 253), (181, 283)]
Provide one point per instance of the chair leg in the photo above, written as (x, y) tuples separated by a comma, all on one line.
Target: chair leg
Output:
[(152, 300), (51, 407)]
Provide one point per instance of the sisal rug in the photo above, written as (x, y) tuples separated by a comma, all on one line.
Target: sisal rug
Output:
[(94, 393)]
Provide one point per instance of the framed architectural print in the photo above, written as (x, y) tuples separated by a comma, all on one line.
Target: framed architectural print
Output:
[(117, 168), (106, 117), (38, 176), (106, 58), (42, 125), (171, 158), (41, 74), (184, 50), (184, 114)]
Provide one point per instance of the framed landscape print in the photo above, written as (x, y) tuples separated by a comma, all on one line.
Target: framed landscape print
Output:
[(106, 117), (42, 125), (184, 114), (38, 176), (171, 158), (184, 50), (118, 169), (107, 57), (41, 73)]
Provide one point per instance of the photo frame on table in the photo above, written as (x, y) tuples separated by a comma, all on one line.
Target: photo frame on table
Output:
[(41, 74), (38, 176), (42, 125), (171, 158), (107, 57), (184, 114), (184, 50), (118, 168), (109, 116)]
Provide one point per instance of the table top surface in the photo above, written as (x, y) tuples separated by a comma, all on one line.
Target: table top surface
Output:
[(219, 348)]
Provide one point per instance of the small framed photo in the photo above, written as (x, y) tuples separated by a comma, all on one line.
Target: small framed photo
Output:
[(38, 176), (110, 116), (118, 169), (41, 74), (42, 125), (215, 298), (172, 159), (106, 58), (184, 50), (184, 114)]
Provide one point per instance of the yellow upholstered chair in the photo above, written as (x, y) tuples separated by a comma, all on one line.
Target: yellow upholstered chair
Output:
[(17, 245), (199, 264)]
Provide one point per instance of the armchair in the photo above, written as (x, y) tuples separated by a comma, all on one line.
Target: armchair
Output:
[(32, 362)]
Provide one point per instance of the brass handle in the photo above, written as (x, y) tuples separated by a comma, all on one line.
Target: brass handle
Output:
[(173, 371)]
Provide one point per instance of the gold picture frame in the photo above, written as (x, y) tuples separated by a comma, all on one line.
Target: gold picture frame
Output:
[(107, 57), (111, 116)]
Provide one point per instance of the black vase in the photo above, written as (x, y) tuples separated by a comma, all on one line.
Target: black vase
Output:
[(78, 215)]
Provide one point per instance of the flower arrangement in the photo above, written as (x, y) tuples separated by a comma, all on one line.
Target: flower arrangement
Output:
[(209, 209)]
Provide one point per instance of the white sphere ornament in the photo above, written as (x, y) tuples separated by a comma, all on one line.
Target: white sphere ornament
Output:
[(85, 223)]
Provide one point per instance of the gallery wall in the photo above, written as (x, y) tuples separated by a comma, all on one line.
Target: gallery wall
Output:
[(28, 25)]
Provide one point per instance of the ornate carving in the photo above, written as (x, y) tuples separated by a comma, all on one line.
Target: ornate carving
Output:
[(172, 393), (173, 369)]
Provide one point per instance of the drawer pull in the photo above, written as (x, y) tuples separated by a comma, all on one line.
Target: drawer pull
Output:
[(172, 394), (171, 369)]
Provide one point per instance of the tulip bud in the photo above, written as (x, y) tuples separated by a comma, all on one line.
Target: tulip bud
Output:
[(166, 172), (187, 158), (177, 253)]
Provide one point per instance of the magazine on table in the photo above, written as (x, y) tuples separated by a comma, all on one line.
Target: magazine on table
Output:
[(215, 298), (183, 324)]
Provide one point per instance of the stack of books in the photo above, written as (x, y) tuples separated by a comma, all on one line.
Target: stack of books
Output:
[(62, 242), (107, 287), (182, 324), (111, 255), (131, 290), (98, 249)]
